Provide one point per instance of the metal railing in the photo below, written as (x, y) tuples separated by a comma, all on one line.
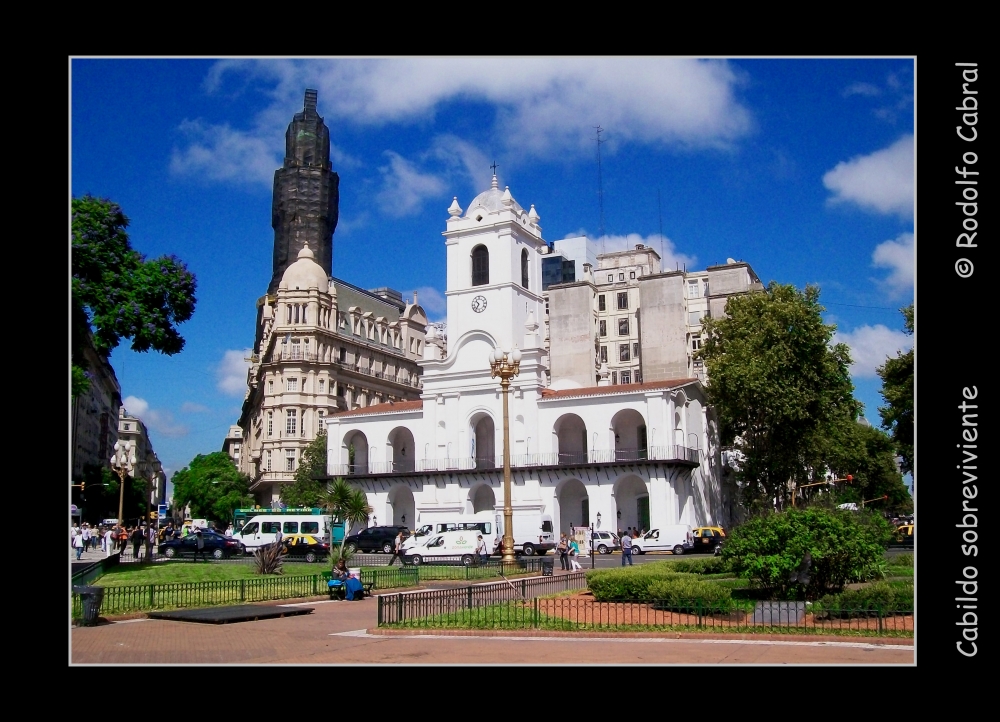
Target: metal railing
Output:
[(671, 453), (438, 608), (474, 608)]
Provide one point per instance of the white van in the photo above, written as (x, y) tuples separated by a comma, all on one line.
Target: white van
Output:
[(450, 547), (676, 538), (483, 521), (532, 532), (262, 529)]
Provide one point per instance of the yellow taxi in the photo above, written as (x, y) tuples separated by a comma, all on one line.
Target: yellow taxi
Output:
[(904, 534), (707, 538), (307, 546)]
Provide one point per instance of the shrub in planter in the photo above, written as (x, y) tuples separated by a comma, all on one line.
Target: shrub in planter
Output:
[(711, 565), (878, 598), (687, 595), (807, 552), (628, 585)]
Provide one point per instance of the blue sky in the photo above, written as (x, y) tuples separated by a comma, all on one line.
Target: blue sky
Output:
[(803, 168)]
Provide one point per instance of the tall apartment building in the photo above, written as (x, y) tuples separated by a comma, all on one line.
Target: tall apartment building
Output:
[(147, 470), (322, 345), (634, 322)]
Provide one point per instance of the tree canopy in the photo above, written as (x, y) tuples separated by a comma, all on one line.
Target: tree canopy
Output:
[(212, 485), (780, 388), (118, 294), (897, 390), (307, 489)]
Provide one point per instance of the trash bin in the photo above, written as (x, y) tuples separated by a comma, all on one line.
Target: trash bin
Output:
[(91, 599), (547, 566)]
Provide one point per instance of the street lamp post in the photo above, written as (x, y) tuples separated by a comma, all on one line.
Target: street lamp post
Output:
[(122, 462), (506, 365)]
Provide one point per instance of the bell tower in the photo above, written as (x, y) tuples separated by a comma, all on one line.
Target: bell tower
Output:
[(305, 201)]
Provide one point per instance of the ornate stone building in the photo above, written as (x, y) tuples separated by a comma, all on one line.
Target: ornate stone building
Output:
[(322, 345)]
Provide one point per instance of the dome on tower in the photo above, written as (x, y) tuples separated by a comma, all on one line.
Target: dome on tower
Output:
[(305, 273), (493, 200)]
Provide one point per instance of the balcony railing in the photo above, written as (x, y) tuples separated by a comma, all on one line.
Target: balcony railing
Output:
[(519, 461)]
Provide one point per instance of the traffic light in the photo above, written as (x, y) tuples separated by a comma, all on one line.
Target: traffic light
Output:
[(81, 486), (849, 478)]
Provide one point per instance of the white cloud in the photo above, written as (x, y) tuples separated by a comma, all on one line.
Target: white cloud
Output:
[(404, 188), (882, 181), (432, 300), (896, 255), (862, 89), (544, 106), (160, 421), (218, 152), (232, 372), (871, 346), (670, 258)]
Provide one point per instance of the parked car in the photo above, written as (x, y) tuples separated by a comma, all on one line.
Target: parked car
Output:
[(904, 534), (707, 539), (375, 539), (605, 542), (305, 546), (217, 546)]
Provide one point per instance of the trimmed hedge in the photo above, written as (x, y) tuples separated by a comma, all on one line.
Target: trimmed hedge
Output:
[(685, 594), (880, 597), (631, 583), (708, 565)]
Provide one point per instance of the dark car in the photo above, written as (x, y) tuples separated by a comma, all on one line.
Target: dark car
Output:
[(707, 539), (305, 546), (375, 539), (217, 546)]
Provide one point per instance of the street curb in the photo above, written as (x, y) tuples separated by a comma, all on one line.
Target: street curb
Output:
[(888, 641)]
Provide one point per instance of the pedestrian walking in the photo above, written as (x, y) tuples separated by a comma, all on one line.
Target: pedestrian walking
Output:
[(563, 549), (483, 550), (627, 550), (85, 533), (78, 543), (199, 545), (136, 538), (229, 531), (574, 553), (109, 541), (122, 538), (150, 541), (397, 548)]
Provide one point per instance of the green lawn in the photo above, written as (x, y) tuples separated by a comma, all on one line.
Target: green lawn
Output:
[(178, 572)]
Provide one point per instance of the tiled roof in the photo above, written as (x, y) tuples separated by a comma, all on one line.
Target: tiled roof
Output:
[(615, 389), (390, 407)]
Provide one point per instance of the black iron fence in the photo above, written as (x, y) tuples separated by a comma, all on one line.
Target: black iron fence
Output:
[(145, 597), (433, 609), (494, 608)]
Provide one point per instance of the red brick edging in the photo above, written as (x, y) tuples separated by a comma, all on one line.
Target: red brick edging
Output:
[(891, 641)]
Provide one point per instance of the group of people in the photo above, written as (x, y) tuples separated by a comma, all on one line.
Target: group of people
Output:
[(113, 538), (569, 553)]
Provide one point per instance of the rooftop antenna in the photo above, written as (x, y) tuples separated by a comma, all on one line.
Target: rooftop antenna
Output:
[(659, 210), (600, 186)]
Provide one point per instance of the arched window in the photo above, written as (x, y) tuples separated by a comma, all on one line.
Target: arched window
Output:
[(524, 268), (480, 266)]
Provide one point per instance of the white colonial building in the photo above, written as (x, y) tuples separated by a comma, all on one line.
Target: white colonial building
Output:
[(614, 455)]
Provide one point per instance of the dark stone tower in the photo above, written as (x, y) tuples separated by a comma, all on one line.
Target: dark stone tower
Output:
[(304, 208)]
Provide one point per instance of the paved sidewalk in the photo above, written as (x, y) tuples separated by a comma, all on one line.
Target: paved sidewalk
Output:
[(337, 633)]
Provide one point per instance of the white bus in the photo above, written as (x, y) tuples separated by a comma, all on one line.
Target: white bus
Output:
[(262, 529), (484, 521)]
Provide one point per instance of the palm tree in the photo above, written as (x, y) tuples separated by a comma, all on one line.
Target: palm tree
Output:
[(348, 504)]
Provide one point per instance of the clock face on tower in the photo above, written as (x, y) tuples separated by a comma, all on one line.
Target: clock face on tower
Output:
[(479, 304)]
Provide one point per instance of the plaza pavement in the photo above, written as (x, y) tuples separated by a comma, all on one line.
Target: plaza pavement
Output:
[(342, 633)]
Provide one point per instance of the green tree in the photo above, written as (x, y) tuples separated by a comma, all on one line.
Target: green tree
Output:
[(808, 552), (212, 485), (307, 489), (118, 294), (348, 504), (869, 456), (779, 387), (897, 390)]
